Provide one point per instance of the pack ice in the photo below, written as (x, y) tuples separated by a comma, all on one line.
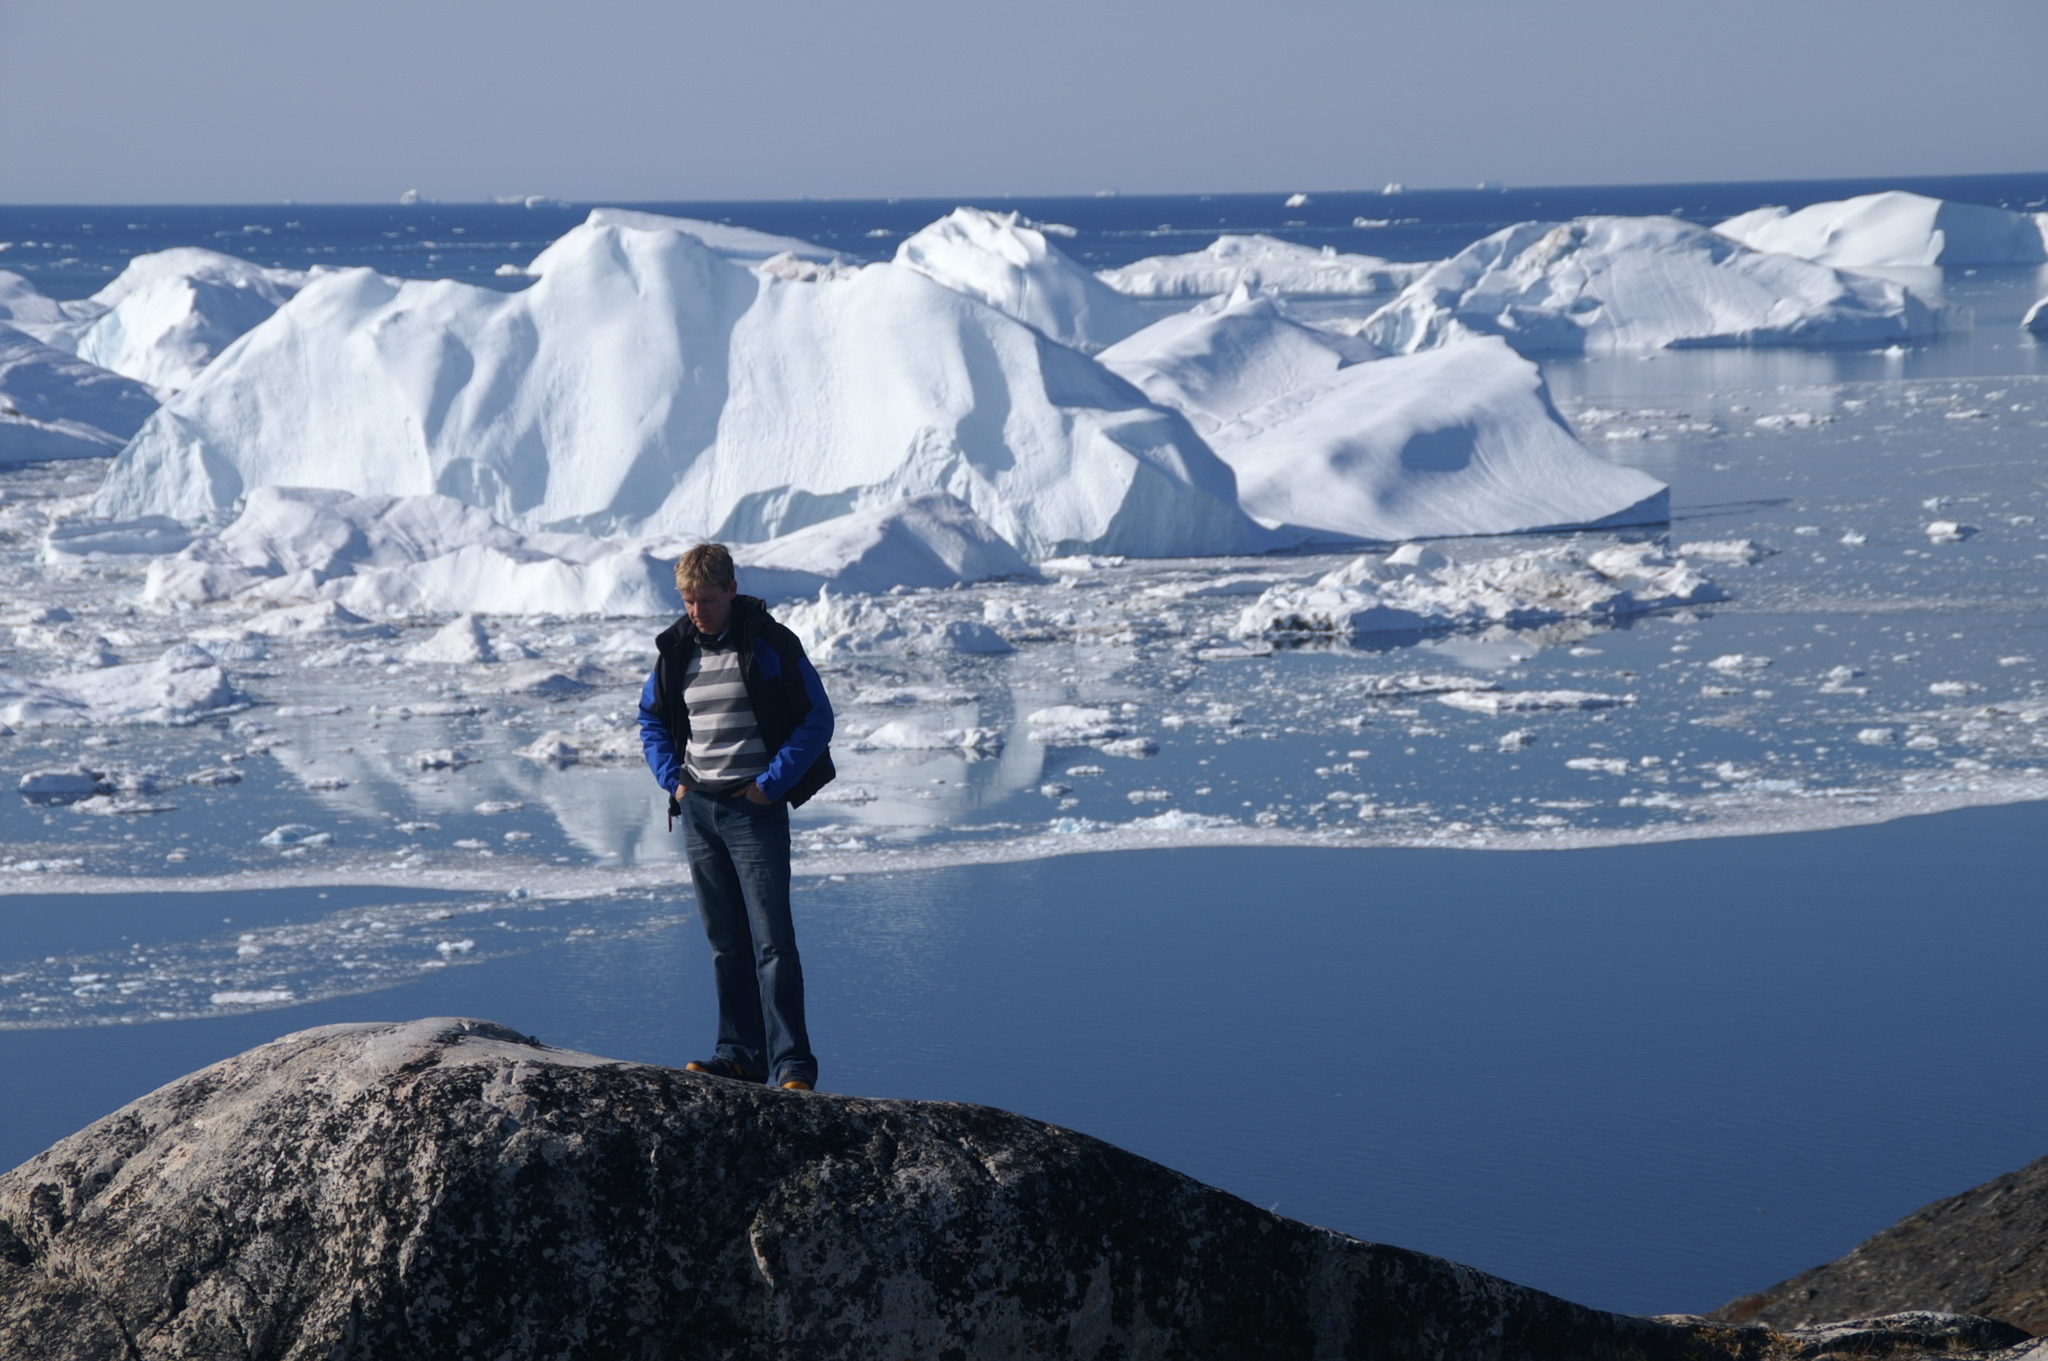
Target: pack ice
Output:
[(1325, 435), (1262, 263), (1418, 589), (647, 385), (1895, 229), (1627, 283)]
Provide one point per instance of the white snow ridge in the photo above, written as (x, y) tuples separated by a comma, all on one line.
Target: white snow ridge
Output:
[(709, 400)]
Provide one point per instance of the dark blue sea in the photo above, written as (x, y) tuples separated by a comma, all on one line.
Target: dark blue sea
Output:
[(71, 251)]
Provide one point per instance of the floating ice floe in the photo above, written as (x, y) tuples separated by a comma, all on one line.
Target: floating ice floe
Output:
[(1529, 701), (999, 259), (1073, 724), (1895, 228), (1724, 550), (834, 628), (55, 405), (462, 639), (902, 735), (2036, 319), (1630, 283), (714, 401), (1327, 437), (1418, 589), (1259, 262), (181, 686)]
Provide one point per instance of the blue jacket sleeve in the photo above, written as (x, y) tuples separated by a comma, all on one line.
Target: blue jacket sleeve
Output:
[(657, 742), (805, 744)]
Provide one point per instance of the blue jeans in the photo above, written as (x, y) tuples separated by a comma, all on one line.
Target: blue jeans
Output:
[(739, 862)]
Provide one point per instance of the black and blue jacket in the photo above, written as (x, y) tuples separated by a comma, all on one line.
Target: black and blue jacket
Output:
[(789, 703)]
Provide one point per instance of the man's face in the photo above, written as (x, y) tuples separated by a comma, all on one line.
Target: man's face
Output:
[(709, 605)]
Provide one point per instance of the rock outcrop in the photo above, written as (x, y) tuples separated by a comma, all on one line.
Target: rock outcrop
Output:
[(1982, 1252), (451, 1189)]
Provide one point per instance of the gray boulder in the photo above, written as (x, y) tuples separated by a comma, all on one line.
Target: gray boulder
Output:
[(450, 1189)]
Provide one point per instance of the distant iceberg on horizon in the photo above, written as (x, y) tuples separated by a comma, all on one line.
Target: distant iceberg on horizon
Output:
[(1598, 284), (1895, 229)]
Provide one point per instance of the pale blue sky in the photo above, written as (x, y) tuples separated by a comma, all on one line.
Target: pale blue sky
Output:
[(622, 100)]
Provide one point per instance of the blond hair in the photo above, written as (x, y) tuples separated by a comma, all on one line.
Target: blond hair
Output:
[(708, 564)]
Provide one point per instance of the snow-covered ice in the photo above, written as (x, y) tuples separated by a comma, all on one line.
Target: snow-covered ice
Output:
[(1639, 283), (1893, 229), (170, 313), (1000, 260), (929, 541), (1259, 262), (182, 685), (1418, 589)]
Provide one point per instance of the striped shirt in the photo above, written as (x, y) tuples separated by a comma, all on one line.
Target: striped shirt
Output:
[(725, 750)]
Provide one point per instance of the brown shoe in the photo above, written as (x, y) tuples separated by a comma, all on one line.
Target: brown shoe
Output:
[(796, 1084), (721, 1068)]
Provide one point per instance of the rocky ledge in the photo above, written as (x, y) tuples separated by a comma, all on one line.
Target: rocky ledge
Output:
[(1982, 1252), (452, 1189)]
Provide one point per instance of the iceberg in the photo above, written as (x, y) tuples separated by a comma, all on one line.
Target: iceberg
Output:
[(24, 306), (56, 405), (170, 313), (1630, 283), (645, 385), (2036, 319), (1227, 356), (1258, 262), (839, 628), (1323, 437), (742, 244), (179, 687), (998, 259), (1893, 229), (929, 542), (1417, 589)]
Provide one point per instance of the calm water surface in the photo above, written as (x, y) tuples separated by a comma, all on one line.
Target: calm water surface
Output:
[(1649, 1078)]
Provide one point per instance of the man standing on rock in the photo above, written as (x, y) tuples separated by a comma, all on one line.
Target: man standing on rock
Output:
[(735, 723)]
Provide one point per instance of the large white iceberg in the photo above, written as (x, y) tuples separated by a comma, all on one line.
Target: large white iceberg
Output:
[(1322, 436), (1262, 263), (1895, 229), (646, 385), (1627, 283), (1008, 264), (56, 405)]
